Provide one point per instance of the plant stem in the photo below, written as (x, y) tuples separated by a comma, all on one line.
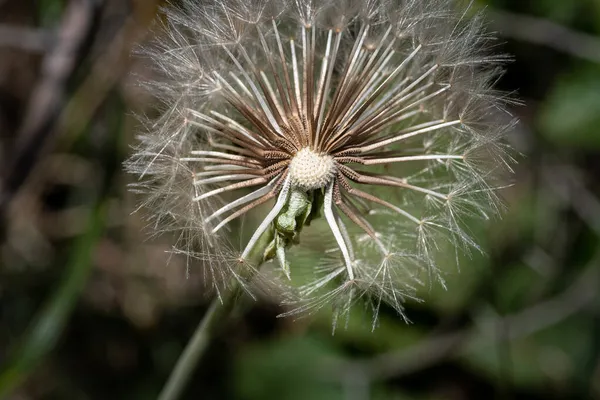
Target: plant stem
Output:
[(197, 346), (219, 310)]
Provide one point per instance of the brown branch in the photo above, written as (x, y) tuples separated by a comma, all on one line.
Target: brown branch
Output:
[(25, 38), (58, 116), (529, 321), (547, 33), (44, 107)]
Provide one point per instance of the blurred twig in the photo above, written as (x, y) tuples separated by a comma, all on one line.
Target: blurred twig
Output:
[(218, 312), (546, 33), (25, 38), (75, 31), (48, 114), (46, 329), (106, 71), (567, 184), (526, 322)]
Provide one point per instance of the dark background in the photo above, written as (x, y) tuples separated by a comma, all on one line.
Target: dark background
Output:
[(91, 309)]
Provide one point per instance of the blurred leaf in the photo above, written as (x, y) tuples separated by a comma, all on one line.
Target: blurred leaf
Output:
[(547, 358), (288, 369), (514, 286), (45, 331), (570, 116), (518, 362), (391, 332), (50, 11), (558, 11), (461, 282)]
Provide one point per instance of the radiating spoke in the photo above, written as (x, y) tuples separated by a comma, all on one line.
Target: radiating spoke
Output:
[(339, 237), (425, 157), (408, 133), (268, 196), (235, 186), (286, 75), (219, 161), (220, 154), (360, 222), (388, 80), (279, 204), (238, 202), (257, 95), (375, 199), (222, 178), (387, 181)]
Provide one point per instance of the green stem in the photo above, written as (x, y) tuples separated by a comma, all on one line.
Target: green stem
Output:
[(218, 311)]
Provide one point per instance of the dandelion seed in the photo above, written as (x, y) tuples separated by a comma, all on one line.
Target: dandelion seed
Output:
[(378, 114)]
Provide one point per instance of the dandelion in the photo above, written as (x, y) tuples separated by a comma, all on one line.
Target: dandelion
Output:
[(379, 116)]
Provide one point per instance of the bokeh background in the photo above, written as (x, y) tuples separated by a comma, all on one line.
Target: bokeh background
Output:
[(92, 309)]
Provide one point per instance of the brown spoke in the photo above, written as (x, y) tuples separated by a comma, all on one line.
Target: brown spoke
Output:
[(264, 110), (293, 131), (240, 104), (276, 189), (363, 130), (247, 208), (247, 171), (286, 73), (278, 83), (341, 87), (236, 186), (275, 155), (373, 96), (358, 204), (385, 181), (374, 199), (350, 213), (222, 161), (235, 149), (349, 159), (251, 115), (308, 56), (325, 90), (394, 102), (223, 130), (258, 172), (420, 129), (277, 166), (269, 97)]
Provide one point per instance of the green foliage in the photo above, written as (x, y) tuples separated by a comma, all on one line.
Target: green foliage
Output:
[(548, 238), (292, 369), (47, 327), (570, 117), (50, 11)]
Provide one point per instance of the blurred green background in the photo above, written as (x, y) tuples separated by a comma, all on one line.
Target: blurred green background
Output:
[(91, 309)]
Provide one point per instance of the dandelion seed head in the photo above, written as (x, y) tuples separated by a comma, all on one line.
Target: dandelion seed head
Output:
[(309, 170), (376, 119)]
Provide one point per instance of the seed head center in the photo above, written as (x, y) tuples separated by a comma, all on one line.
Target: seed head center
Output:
[(310, 170)]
